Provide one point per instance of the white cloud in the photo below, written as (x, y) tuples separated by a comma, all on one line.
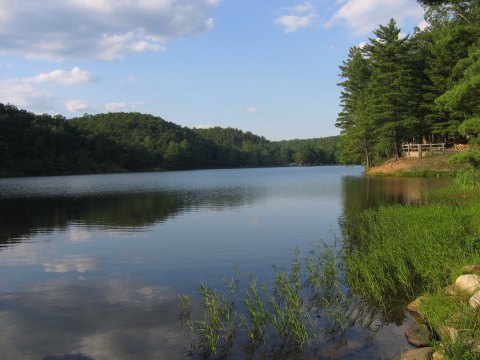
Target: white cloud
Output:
[(303, 8), (25, 95), (28, 93), (99, 29), (251, 109), (123, 105), (298, 17), (76, 105), (62, 77), (363, 16)]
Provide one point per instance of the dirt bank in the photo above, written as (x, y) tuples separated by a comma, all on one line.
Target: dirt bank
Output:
[(436, 163)]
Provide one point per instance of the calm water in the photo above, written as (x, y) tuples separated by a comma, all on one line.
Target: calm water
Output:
[(94, 264)]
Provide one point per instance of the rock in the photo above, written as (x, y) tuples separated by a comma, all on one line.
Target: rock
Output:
[(416, 354), (448, 334), (418, 335), (468, 269), (475, 300), (469, 283), (414, 308)]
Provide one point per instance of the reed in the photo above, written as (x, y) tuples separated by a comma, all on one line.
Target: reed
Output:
[(402, 251), (276, 321)]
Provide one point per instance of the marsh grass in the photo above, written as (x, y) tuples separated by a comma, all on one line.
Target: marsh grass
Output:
[(280, 320), (400, 251)]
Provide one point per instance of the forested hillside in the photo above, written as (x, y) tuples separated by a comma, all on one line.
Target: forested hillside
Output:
[(42, 144), (424, 87)]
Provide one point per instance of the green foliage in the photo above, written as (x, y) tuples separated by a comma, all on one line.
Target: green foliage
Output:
[(468, 179), (41, 144), (38, 143), (470, 157), (357, 127), (391, 88), (462, 98), (319, 151), (417, 88)]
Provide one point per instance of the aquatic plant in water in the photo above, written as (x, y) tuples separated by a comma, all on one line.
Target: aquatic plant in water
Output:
[(306, 304)]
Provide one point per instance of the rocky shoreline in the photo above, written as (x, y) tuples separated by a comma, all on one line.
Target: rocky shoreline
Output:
[(423, 333)]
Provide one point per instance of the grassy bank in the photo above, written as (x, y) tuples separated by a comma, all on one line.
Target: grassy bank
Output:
[(401, 252)]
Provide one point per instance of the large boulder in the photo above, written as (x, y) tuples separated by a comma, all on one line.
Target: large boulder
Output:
[(469, 283)]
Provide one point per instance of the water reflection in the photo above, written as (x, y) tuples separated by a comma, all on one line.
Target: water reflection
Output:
[(112, 319), (22, 217), (366, 192), (77, 263)]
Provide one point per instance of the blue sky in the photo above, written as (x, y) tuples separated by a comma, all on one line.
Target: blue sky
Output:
[(265, 66)]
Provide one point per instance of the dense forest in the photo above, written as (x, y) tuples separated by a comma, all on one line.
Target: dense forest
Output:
[(42, 144), (419, 88)]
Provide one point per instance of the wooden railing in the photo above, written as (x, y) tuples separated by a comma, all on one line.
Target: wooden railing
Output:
[(421, 148)]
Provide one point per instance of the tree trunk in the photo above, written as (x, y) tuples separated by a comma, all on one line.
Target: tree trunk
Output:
[(368, 158), (396, 153)]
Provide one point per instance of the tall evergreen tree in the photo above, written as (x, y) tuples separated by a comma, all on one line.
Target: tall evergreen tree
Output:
[(463, 98), (453, 30), (391, 99), (357, 129)]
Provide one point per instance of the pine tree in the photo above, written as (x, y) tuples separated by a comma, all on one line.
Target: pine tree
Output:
[(391, 99), (357, 129), (453, 30)]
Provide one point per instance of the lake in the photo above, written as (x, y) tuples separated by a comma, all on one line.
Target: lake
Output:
[(94, 264)]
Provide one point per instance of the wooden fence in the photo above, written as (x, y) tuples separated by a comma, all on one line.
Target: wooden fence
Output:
[(416, 150)]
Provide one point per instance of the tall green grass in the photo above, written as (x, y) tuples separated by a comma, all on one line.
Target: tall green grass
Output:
[(305, 303), (401, 251), (455, 323)]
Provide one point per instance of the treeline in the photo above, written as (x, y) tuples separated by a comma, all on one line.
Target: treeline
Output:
[(425, 87), (42, 144)]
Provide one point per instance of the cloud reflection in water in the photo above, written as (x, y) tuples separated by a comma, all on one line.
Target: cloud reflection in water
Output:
[(112, 319)]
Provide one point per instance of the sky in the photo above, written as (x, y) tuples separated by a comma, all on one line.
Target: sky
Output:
[(266, 66)]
